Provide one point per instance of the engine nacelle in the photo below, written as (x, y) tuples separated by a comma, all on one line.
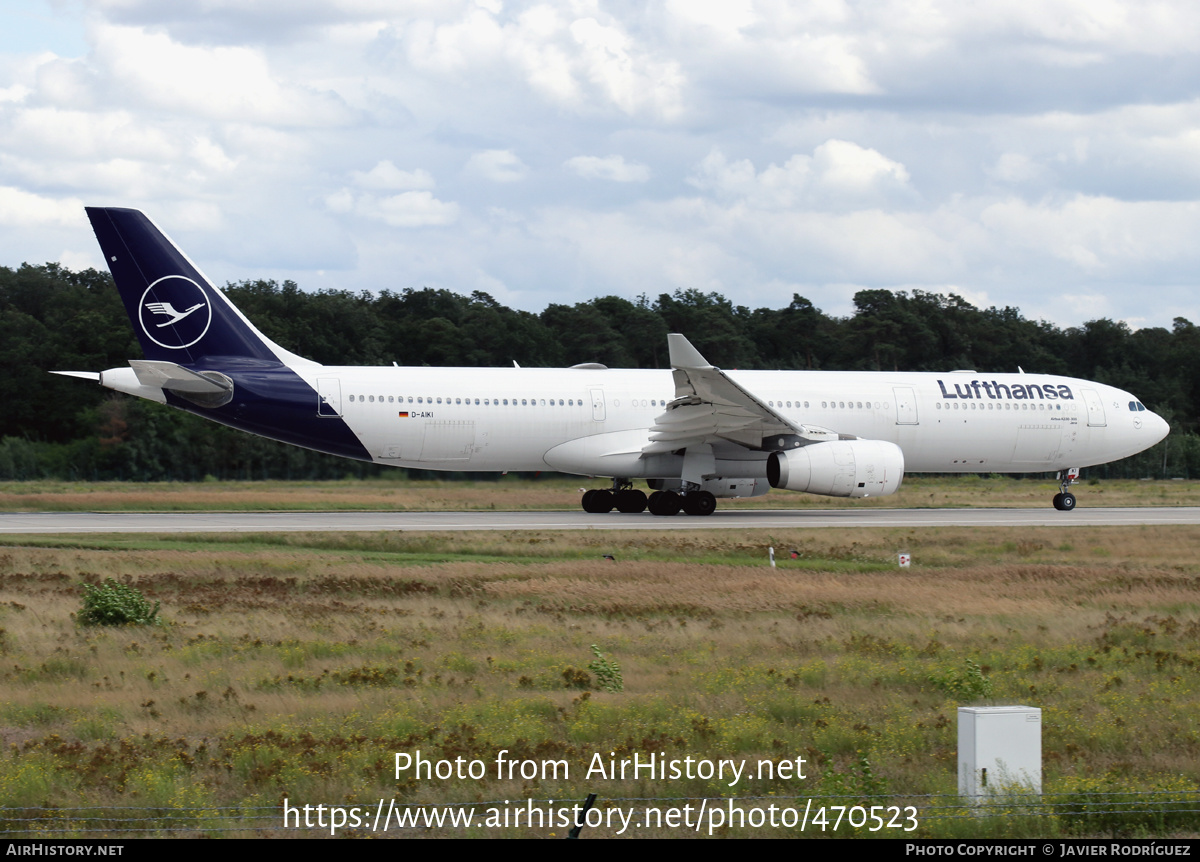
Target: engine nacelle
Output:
[(841, 468)]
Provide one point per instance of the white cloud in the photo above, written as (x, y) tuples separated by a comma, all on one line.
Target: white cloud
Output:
[(415, 209), (725, 18), (613, 168), (564, 54), (386, 175), (499, 166), (225, 83), (407, 209), (80, 260), (15, 93), (610, 60), (341, 201), (804, 48), (1017, 169), (1099, 236), (838, 173), (846, 168), (49, 132), (23, 209)]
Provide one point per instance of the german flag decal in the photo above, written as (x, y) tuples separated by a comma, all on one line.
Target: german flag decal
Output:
[(403, 414)]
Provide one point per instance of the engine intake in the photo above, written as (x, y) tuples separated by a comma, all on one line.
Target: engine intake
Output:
[(841, 468)]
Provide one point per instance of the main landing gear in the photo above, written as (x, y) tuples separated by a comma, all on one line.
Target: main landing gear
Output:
[(1064, 500), (625, 498), (692, 503)]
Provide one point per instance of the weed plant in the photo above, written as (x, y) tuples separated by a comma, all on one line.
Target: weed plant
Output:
[(114, 604), (607, 671)]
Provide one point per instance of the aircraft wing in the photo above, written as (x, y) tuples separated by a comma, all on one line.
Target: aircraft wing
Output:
[(709, 407)]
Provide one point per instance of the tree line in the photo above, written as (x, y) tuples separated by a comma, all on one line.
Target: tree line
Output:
[(52, 318)]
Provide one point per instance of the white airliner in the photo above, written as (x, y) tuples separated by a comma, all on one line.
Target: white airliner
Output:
[(692, 433)]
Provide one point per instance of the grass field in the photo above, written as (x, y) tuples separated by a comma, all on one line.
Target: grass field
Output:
[(295, 666), (513, 493)]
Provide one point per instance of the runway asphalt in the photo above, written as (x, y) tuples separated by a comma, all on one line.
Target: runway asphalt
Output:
[(732, 519)]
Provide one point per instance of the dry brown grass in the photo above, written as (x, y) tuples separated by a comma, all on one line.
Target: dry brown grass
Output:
[(295, 665), (511, 493)]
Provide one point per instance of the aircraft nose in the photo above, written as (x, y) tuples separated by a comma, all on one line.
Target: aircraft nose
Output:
[(1157, 426)]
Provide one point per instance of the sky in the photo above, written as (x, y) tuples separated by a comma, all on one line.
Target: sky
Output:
[(1039, 154)]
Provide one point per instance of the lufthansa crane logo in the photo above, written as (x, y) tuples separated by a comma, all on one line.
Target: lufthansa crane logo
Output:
[(175, 312)]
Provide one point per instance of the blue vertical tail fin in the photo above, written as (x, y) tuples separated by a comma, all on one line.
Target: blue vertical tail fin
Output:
[(176, 312)]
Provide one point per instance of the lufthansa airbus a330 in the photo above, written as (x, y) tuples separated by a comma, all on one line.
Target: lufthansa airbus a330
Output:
[(693, 433)]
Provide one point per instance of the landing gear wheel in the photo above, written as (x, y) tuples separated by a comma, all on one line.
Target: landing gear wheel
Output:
[(1064, 501), (598, 501), (664, 503), (699, 503), (602, 502), (630, 501)]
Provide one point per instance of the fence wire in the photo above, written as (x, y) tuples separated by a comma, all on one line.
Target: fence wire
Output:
[(1093, 812)]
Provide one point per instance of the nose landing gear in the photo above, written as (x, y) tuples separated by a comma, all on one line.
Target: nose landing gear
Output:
[(1064, 500)]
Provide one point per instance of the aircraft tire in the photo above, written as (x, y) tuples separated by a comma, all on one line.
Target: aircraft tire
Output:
[(1068, 502), (586, 502), (602, 502), (699, 503), (665, 503), (631, 501), (1057, 501)]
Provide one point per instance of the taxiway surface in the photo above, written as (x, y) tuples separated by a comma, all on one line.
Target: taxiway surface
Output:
[(731, 519)]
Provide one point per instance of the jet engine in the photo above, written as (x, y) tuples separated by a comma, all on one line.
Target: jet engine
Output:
[(841, 468)]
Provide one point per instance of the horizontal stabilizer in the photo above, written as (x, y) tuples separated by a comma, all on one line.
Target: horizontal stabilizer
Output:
[(168, 375), (82, 375)]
